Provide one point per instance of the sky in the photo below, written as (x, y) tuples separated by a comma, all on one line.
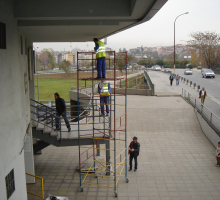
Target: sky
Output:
[(203, 15)]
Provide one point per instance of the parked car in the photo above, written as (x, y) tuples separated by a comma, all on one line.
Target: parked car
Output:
[(153, 68), (207, 73), (157, 68), (167, 70), (188, 71), (199, 67)]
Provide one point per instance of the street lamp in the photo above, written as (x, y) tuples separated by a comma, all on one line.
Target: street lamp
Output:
[(174, 40)]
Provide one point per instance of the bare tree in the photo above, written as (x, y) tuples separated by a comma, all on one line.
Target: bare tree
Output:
[(207, 45), (65, 66)]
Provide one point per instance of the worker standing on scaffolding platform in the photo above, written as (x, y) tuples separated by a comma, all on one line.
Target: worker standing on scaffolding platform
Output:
[(134, 149), (100, 56), (104, 89)]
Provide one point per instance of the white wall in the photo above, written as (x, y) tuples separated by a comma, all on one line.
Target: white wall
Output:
[(14, 104), (208, 131)]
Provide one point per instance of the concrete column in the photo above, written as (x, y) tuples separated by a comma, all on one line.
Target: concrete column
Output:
[(28, 147)]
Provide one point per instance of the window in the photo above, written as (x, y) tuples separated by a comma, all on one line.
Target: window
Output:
[(10, 183), (2, 36), (21, 44)]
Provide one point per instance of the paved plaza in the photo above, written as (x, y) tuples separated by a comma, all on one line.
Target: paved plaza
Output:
[(176, 159)]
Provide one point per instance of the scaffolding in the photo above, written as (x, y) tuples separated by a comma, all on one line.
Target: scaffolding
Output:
[(104, 130)]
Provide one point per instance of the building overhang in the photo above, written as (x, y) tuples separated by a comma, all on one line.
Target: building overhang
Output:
[(80, 21)]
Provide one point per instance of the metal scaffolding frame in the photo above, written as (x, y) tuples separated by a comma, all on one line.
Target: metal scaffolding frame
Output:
[(112, 125)]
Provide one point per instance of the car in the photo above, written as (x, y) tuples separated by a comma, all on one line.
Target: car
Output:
[(157, 68), (188, 71), (207, 73), (167, 70), (199, 67)]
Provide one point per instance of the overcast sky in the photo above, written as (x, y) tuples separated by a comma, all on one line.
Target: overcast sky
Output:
[(203, 15)]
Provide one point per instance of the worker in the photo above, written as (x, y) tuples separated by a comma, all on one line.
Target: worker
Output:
[(104, 89), (100, 56)]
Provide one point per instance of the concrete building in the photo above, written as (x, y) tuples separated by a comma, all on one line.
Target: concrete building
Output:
[(24, 22)]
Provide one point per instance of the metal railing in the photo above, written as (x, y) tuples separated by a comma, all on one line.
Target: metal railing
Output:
[(35, 185), (149, 82), (46, 115), (207, 115)]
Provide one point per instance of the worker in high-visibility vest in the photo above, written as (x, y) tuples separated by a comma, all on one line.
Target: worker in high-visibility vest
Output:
[(100, 57), (104, 89)]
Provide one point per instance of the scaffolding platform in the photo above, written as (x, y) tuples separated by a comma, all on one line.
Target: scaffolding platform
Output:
[(112, 128)]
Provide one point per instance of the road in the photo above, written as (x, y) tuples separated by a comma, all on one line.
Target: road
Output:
[(162, 87), (212, 85)]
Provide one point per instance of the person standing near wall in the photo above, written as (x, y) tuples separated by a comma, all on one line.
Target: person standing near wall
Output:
[(134, 149), (104, 89), (61, 110), (100, 56), (202, 95)]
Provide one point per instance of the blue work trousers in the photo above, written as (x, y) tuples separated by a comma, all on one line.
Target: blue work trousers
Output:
[(104, 101), (58, 120), (101, 67)]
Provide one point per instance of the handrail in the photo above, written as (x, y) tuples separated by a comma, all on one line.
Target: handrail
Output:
[(208, 115), (48, 114), (33, 180), (149, 82)]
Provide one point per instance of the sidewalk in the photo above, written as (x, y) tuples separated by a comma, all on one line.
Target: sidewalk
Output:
[(176, 160), (163, 88)]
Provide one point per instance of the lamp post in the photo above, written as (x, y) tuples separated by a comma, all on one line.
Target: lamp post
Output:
[(174, 40)]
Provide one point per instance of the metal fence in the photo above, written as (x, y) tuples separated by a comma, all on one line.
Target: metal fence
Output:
[(207, 115), (149, 82)]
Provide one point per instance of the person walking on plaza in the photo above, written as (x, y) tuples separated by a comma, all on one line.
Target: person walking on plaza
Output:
[(202, 95), (100, 56), (61, 110), (177, 79), (217, 154), (134, 149), (171, 79), (104, 89)]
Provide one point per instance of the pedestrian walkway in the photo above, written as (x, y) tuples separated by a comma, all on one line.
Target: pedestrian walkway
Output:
[(176, 160), (163, 88)]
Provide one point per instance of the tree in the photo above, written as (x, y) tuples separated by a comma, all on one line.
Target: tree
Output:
[(38, 63), (43, 59), (194, 58), (207, 45), (121, 61), (47, 59), (65, 66), (51, 59)]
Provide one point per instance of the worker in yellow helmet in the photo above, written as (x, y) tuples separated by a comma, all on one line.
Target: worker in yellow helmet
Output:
[(100, 56), (104, 89)]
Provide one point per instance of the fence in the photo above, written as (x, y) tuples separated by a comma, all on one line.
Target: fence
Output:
[(149, 82), (207, 115), (35, 185)]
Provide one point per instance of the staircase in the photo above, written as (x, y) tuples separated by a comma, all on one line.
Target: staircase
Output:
[(43, 128)]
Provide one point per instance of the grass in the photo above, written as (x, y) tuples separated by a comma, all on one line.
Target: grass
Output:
[(131, 82), (48, 86)]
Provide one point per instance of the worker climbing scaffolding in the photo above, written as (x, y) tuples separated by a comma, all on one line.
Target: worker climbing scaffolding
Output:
[(104, 89)]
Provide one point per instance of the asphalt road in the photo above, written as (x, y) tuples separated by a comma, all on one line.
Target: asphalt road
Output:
[(212, 85)]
